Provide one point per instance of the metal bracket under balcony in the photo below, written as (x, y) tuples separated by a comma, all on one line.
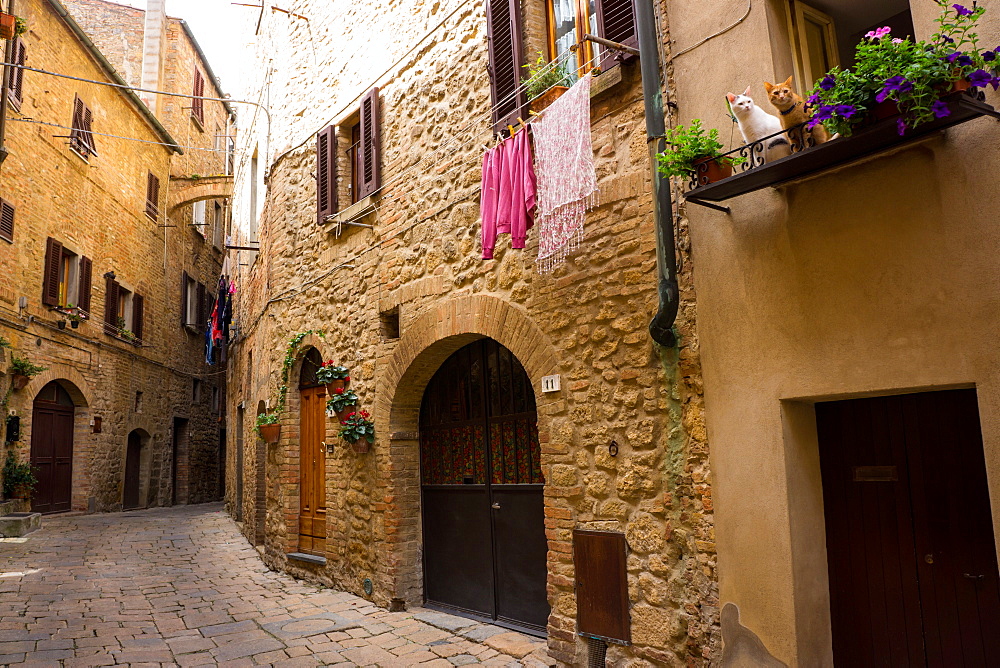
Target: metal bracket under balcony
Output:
[(880, 136)]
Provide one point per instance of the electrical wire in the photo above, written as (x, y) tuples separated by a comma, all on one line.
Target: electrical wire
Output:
[(716, 34), (104, 134)]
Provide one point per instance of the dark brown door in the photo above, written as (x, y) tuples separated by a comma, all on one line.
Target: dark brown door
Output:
[(912, 558), (312, 460), (52, 449), (130, 496), (481, 483)]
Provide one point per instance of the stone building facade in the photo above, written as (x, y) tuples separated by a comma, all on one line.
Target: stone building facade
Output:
[(623, 447), (126, 413)]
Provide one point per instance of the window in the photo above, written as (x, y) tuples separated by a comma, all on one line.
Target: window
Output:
[(358, 148), (198, 105), (218, 225), (253, 197), (570, 20), (152, 196), (66, 279), (15, 81), (198, 217), (6, 221), (195, 390), (123, 311), (81, 139), (192, 303)]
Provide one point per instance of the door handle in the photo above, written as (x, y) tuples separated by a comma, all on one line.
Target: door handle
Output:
[(970, 576), (495, 506)]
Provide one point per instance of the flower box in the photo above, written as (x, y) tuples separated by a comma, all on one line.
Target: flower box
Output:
[(8, 25), (270, 433)]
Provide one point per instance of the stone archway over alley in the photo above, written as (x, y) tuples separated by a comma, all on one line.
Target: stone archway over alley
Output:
[(181, 586)]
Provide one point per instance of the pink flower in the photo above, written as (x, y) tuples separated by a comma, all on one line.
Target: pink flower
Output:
[(879, 33), (896, 40)]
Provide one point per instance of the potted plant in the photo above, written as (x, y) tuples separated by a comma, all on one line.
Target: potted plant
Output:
[(22, 371), (74, 315), (545, 83), (695, 155), (358, 429), (904, 78), (268, 427), (8, 26), (332, 374), (18, 479), (126, 333), (341, 400)]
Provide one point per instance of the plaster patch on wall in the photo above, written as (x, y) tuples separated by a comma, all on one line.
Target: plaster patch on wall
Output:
[(740, 646)]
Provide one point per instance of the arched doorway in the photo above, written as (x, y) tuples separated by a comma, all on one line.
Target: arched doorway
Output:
[(481, 485), (136, 488), (312, 459), (52, 449)]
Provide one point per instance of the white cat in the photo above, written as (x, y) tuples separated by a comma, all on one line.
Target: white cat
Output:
[(755, 124)]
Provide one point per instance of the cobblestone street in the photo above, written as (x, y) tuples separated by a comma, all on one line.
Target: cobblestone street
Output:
[(181, 586)]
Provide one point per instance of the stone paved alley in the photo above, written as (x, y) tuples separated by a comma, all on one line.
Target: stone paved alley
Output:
[(181, 586)]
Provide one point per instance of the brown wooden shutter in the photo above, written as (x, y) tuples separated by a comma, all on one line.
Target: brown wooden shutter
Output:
[(616, 22), (503, 25), (137, 312), (16, 81), (77, 124), (371, 145), (88, 136), (152, 196), (83, 289), (50, 279), (326, 173), (200, 314), (198, 105), (110, 306), (6, 220), (184, 298)]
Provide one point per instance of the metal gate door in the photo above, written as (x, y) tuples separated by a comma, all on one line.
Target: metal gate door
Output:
[(481, 483)]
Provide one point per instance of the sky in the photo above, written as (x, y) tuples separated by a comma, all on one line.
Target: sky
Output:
[(216, 26)]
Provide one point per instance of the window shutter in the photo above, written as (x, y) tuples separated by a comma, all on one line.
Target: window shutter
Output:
[(77, 124), (110, 306), (200, 314), (503, 25), (198, 105), (50, 280), (371, 145), (184, 298), (616, 22), (88, 136), (152, 196), (326, 173), (137, 309), (16, 80), (6, 220), (83, 290)]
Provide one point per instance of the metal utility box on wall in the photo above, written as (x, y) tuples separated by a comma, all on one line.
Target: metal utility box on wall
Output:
[(602, 607)]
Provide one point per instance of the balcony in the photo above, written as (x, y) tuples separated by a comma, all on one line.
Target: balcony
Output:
[(882, 135)]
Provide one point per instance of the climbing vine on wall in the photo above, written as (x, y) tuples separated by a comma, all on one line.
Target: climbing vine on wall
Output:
[(292, 354)]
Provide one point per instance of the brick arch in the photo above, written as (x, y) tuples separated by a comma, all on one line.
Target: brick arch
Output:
[(65, 375), (187, 191), (424, 346)]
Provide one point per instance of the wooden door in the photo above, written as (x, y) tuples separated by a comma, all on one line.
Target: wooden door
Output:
[(481, 485), (52, 449), (910, 544), (312, 466), (130, 495)]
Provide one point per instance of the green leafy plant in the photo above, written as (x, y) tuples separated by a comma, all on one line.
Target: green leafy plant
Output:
[(341, 399), (689, 145), (264, 419), (4, 343), (329, 372), (291, 355), (543, 75), (356, 426), (18, 479), (20, 26), (21, 366)]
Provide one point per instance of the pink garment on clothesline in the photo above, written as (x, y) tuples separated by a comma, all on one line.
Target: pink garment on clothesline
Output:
[(507, 201)]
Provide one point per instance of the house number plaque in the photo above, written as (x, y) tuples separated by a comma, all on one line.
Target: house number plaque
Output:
[(550, 383)]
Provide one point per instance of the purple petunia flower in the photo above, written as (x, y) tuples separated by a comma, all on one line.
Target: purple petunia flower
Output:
[(828, 82), (964, 61), (947, 40), (897, 83), (845, 110), (940, 109), (989, 56), (981, 78), (962, 11), (813, 100), (900, 126)]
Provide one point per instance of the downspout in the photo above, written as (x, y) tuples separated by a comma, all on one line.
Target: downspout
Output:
[(661, 327), (8, 55)]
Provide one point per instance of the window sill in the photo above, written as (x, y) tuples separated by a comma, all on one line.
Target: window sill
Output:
[(605, 81), (193, 329), (132, 342), (879, 137), (352, 215), (80, 155), (198, 123)]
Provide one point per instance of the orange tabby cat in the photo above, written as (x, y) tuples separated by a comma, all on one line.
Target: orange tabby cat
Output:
[(792, 111)]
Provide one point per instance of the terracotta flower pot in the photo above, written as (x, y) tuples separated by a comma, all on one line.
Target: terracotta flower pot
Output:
[(8, 25), (361, 446), (20, 381), (547, 98), (336, 384), (345, 411), (270, 433), (710, 170)]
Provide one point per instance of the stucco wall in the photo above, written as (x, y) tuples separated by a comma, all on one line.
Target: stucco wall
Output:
[(586, 321), (877, 278)]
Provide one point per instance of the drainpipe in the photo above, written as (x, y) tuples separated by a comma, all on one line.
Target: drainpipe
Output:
[(8, 55), (661, 327)]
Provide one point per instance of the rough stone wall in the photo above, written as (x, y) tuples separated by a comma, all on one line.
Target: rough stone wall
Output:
[(586, 321), (96, 208)]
